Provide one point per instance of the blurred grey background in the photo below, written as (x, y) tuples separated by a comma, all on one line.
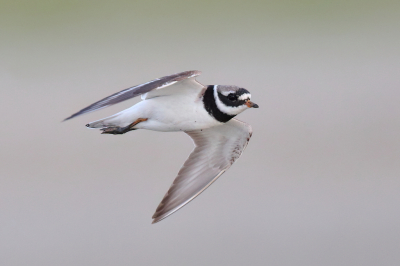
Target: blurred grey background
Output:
[(319, 183)]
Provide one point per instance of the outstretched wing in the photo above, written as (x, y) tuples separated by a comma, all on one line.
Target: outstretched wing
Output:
[(136, 91), (216, 149)]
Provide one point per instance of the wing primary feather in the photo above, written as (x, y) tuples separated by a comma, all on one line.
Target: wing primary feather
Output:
[(136, 91), (216, 149)]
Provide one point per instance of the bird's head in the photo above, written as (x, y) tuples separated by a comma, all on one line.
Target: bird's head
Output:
[(232, 100), (224, 102)]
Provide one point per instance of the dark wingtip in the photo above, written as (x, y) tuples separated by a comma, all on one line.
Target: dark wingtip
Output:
[(68, 118), (156, 220)]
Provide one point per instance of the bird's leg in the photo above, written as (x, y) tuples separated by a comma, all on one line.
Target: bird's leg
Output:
[(122, 130)]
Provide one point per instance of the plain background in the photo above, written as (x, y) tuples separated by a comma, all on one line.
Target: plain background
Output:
[(319, 183)]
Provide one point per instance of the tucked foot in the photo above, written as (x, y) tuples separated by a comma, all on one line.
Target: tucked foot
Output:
[(122, 130), (115, 130)]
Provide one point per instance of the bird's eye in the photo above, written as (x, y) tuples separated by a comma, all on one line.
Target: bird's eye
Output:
[(232, 97)]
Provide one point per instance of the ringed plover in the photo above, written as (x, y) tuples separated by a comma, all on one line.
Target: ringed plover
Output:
[(179, 103)]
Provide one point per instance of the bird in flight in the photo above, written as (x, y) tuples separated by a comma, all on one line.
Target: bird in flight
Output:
[(180, 103)]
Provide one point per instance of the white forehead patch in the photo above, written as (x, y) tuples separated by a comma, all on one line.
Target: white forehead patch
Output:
[(245, 96)]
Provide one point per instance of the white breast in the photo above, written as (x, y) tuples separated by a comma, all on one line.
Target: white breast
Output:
[(175, 113)]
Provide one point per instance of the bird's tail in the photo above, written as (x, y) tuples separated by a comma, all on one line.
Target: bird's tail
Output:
[(116, 120)]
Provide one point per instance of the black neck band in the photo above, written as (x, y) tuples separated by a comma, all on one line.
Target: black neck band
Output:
[(212, 108)]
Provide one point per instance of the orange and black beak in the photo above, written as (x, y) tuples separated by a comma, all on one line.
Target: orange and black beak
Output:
[(250, 104)]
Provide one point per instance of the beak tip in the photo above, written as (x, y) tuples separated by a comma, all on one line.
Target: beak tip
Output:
[(251, 104)]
